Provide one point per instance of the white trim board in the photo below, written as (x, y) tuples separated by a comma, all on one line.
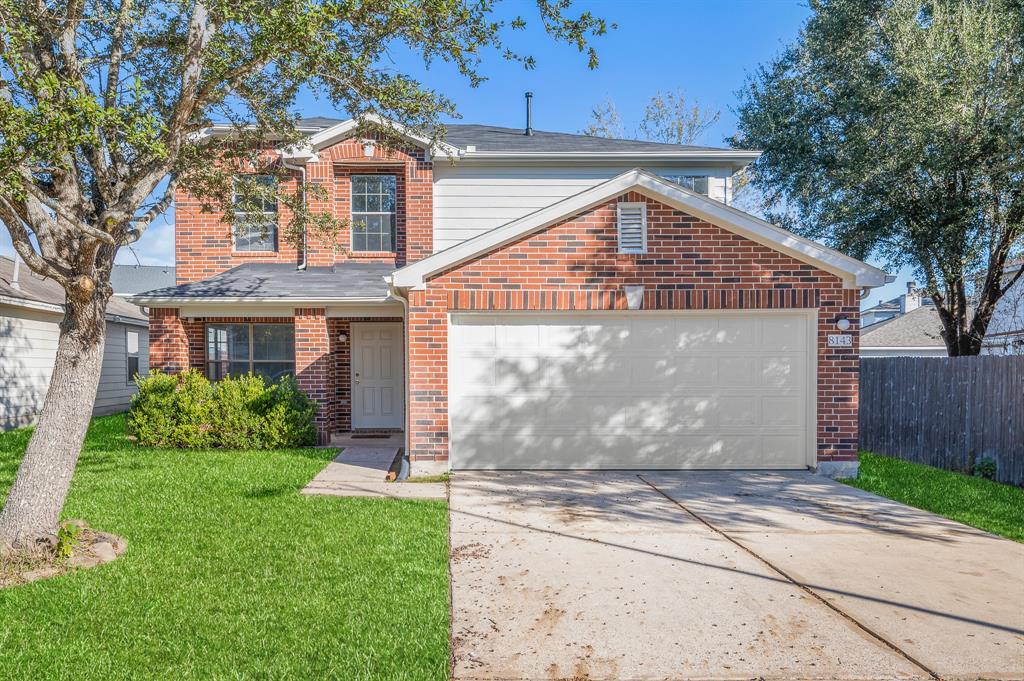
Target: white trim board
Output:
[(853, 272)]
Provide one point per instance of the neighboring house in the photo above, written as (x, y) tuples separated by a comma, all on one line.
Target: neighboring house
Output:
[(917, 333), (31, 309), (129, 279), (1005, 335), (902, 304), (532, 301)]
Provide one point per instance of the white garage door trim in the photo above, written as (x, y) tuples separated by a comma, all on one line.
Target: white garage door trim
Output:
[(492, 318)]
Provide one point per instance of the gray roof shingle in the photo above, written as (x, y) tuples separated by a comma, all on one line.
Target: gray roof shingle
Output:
[(271, 280), (494, 138), (33, 288), (134, 278), (918, 328)]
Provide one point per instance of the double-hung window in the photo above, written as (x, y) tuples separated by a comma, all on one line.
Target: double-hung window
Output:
[(373, 213), (237, 349), (255, 216)]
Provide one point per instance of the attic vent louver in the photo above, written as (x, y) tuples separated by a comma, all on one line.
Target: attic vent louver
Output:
[(632, 219)]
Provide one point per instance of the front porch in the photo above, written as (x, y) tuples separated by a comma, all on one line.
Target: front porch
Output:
[(336, 331)]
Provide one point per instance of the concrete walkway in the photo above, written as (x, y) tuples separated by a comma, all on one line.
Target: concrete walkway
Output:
[(359, 471), (722, 576)]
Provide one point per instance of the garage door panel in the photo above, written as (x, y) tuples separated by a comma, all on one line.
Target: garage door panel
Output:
[(641, 391)]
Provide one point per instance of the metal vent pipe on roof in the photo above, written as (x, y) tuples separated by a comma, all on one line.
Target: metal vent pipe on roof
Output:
[(529, 113)]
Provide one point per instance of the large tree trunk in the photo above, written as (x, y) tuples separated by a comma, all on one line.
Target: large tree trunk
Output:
[(33, 507)]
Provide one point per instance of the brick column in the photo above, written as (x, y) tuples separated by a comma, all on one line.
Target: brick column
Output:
[(428, 375), (312, 363), (168, 341)]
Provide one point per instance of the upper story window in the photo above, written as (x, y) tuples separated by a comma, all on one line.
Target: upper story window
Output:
[(697, 183), (373, 213), (255, 215)]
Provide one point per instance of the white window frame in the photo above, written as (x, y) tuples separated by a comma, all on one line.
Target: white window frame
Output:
[(643, 226), (269, 221), (128, 354), (393, 235)]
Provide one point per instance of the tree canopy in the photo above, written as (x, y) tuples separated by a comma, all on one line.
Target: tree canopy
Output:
[(895, 129), (102, 102)]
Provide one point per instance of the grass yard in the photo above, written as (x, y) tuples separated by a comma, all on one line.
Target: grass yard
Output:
[(230, 573), (984, 504)]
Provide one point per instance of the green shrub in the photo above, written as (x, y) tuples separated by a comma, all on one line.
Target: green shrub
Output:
[(238, 412), (151, 417), (186, 411), (986, 468), (289, 416)]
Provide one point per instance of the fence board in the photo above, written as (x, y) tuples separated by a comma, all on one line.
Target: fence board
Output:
[(947, 412)]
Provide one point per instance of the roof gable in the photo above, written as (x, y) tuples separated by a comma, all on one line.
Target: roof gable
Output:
[(853, 272)]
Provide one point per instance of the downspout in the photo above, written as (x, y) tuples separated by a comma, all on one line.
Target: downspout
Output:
[(302, 171), (395, 294)]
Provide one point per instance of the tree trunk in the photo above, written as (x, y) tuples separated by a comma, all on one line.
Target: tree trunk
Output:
[(33, 507)]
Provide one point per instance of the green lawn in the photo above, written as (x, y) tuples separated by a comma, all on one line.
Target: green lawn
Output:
[(984, 504), (230, 573)]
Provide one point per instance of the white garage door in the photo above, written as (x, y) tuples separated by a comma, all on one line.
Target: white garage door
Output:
[(631, 390)]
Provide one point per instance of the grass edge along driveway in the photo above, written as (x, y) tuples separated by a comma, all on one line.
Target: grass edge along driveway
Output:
[(984, 504), (230, 573)]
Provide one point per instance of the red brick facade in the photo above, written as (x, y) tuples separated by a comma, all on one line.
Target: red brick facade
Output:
[(574, 266), (204, 245)]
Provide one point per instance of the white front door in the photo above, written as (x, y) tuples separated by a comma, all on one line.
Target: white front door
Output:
[(378, 379)]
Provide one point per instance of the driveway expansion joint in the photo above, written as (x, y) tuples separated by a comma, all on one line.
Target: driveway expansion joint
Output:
[(879, 638)]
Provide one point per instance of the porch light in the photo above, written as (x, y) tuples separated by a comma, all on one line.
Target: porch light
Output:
[(634, 296), (842, 323), (342, 337)]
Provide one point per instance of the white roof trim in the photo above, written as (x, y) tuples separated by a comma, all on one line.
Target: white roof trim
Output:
[(853, 272), (345, 129)]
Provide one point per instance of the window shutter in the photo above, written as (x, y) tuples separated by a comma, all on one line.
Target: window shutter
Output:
[(632, 218)]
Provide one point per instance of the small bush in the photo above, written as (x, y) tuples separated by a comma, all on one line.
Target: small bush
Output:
[(186, 411), (986, 468)]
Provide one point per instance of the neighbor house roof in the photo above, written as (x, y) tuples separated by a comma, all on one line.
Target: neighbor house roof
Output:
[(468, 141), (272, 282), (35, 292), (851, 270), (135, 278), (920, 328)]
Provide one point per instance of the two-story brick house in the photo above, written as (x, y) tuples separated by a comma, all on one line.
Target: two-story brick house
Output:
[(541, 300)]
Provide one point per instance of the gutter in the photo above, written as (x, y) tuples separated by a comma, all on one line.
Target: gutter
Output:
[(397, 294), (59, 309)]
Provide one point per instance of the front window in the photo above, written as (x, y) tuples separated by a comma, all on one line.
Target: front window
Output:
[(373, 213), (255, 215), (236, 349), (697, 183)]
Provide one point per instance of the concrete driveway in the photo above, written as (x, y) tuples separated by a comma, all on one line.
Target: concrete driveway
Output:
[(566, 575)]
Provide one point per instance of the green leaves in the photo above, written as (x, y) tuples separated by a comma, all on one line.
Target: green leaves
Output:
[(895, 129)]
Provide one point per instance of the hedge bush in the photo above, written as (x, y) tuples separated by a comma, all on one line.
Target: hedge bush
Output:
[(187, 411)]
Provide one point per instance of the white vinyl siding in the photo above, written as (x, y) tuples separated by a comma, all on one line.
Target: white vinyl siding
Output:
[(631, 390), (28, 345), (469, 200), (632, 224)]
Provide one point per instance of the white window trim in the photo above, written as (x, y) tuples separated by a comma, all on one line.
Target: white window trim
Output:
[(128, 354), (270, 220), (643, 225), (394, 215)]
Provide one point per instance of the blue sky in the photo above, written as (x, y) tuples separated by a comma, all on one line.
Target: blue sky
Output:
[(705, 48)]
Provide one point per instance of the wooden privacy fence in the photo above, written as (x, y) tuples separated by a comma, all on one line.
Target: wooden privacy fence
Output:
[(947, 412)]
